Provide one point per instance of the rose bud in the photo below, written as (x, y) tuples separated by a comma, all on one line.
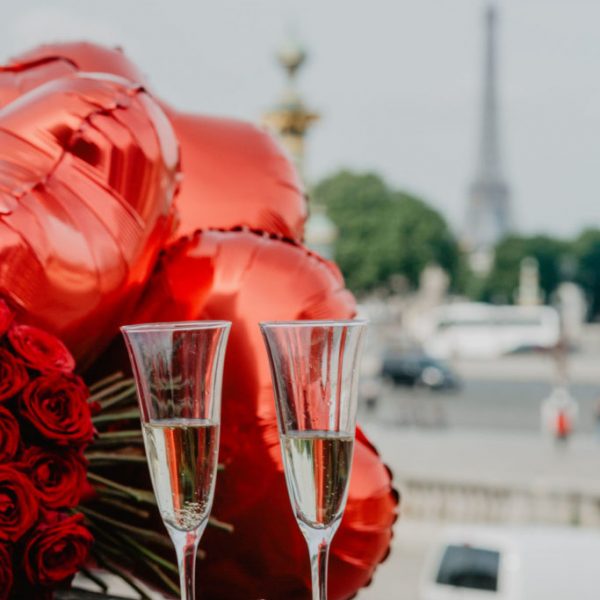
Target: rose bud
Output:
[(56, 550), (56, 405), (58, 477), (10, 435), (13, 375), (18, 504), (41, 350)]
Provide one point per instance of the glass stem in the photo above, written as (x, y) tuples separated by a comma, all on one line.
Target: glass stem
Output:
[(186, 547), (318, 547)]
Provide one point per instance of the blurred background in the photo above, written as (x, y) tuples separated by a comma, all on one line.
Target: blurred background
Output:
[(450, 151)]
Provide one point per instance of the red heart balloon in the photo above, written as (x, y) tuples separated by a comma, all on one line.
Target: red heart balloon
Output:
[(234, 174), (246, 277), (88, 170), (83, 56), (17, 79)]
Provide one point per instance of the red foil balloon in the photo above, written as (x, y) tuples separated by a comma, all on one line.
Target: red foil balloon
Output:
[(84, 56), (234, 173), (246, 277), (88, 169), (16, 80)]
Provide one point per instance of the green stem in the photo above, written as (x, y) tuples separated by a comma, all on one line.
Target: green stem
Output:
[(129, 392), (95, 579), (112, 567), (105, 381), (121, 435), (110, 457), (164, 577), (147, 553), (151, 536), (108, 417), (107, 391), (155, 557), (124, 506), (228, 527), (107, 492), (117, 540), (111, 443), (135, 493)]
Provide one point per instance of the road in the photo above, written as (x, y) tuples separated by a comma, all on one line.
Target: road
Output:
[(501, 395)]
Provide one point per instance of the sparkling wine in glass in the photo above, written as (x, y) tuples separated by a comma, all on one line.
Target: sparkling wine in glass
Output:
[(314, 365), (178, 369)]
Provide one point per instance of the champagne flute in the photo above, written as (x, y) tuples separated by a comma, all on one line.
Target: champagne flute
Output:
[(178, 370), (314, 366)]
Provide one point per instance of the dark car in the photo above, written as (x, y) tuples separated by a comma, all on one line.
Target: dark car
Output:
[(414, 370)]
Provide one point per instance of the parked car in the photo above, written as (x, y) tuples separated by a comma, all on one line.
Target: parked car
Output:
[(513, 563), (414, 370)]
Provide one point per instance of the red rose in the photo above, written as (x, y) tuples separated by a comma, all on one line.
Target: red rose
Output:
[(18, 504), (13, 375), (56, 550), (6, 317), (10, 435), (59, 477), (6, 573), (56, 405), (41, 350)]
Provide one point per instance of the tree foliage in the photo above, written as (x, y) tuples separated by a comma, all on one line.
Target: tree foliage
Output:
[(501, 284), (558, 260), (383, 232), (586, 249)]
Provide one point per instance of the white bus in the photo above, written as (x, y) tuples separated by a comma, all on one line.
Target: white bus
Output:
[(477, 330)]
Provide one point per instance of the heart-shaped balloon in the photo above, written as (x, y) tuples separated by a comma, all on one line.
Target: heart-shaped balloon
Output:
[(245, 277), (18, 79), (88, 169), (234, 173), (83, 56)]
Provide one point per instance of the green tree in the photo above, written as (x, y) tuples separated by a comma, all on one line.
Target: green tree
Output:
[(421, 236), (357, 205), (586, 249), (383, 232), (503, 280)]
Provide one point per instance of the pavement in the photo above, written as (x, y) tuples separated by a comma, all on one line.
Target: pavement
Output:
[(512, 459), (399, 576)]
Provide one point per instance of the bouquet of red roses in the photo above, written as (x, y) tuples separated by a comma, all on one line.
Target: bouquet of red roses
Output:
[(45, 426), (68, 457)]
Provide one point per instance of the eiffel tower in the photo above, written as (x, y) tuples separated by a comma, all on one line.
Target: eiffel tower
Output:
[(488, 211)]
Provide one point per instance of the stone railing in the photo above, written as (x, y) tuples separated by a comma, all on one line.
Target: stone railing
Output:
[(480, 502)]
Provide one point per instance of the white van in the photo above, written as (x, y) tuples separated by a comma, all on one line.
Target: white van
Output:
[(507, 563)]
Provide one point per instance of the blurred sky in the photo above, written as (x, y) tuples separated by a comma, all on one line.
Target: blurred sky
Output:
[(397, 83)]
